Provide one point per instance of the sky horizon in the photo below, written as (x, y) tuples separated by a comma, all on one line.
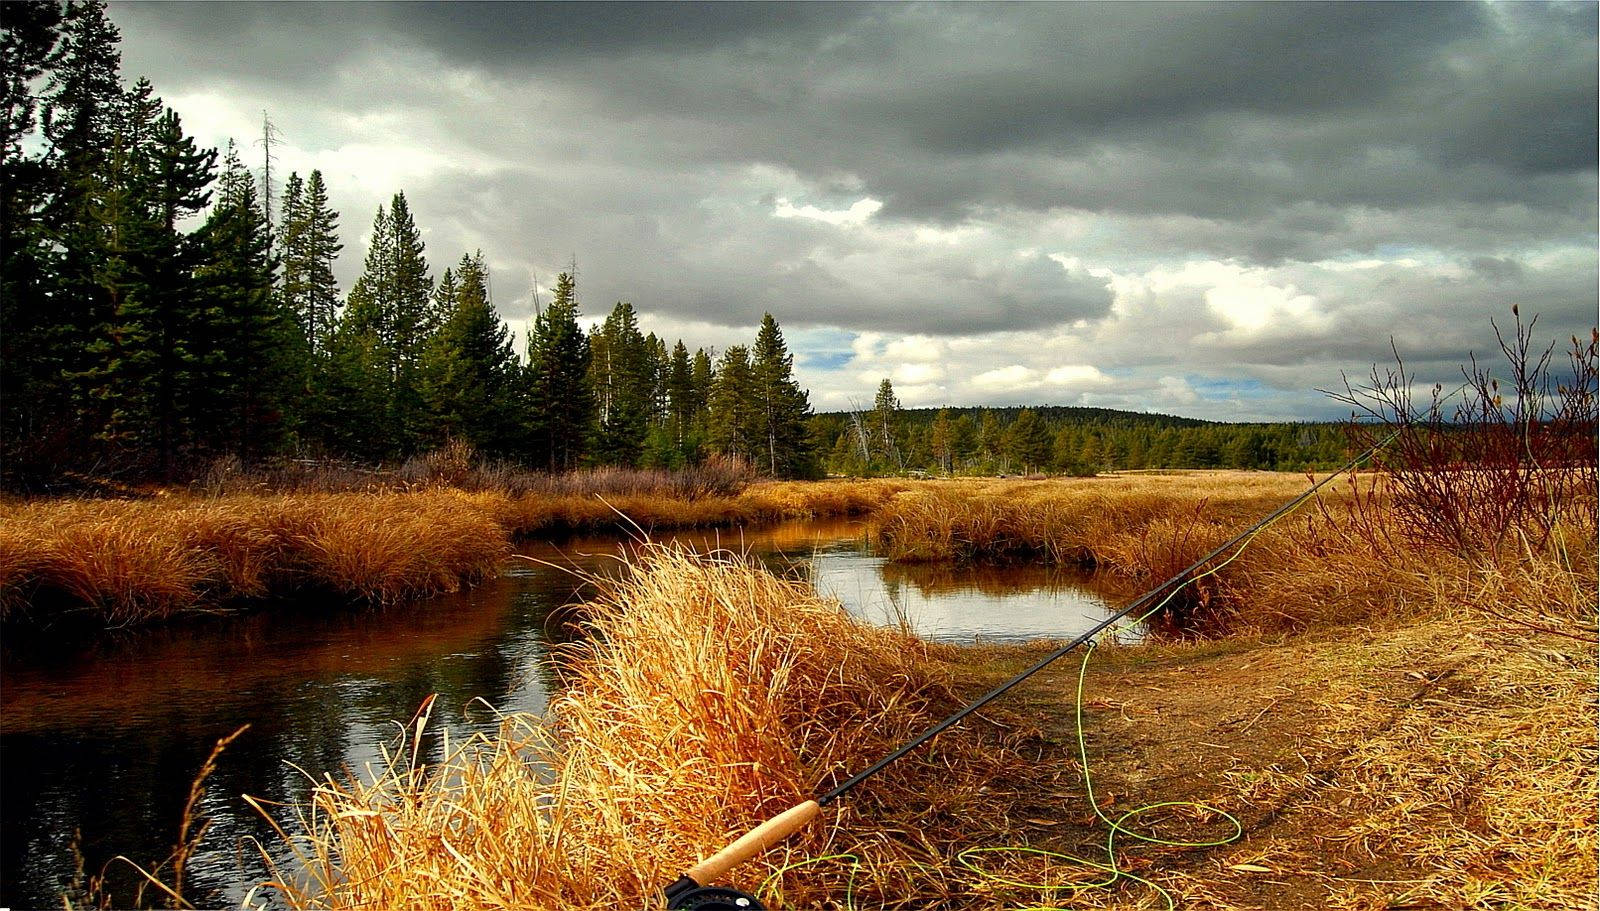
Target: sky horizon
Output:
[(1195, 209)]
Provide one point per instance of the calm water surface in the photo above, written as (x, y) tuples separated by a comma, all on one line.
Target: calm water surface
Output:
[(99, 742)]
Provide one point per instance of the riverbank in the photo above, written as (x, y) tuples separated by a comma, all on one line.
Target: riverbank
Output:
[(1340, 558), (126, 562), (1434, 755)]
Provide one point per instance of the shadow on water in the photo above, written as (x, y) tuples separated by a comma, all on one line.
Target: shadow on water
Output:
[(100, 739)]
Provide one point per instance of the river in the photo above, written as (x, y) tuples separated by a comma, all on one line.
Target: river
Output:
[(100, 740)]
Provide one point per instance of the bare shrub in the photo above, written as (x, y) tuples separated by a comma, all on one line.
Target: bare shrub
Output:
[(1509, 463)]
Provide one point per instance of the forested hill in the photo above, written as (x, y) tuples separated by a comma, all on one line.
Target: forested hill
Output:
[(1060, 439), (1055, 414)]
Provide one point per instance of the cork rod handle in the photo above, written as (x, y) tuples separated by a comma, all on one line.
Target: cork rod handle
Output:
[(754, 842)]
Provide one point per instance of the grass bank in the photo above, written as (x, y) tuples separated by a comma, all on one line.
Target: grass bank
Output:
[(123, 562), (1347, 557), (1425, 745)]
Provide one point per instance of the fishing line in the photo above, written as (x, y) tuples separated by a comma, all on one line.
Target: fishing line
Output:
[(1110, 866)]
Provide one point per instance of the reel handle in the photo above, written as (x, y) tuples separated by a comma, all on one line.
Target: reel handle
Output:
[(754, 842)]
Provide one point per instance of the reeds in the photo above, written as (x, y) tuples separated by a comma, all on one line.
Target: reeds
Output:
[(121, 562), (125, 562)]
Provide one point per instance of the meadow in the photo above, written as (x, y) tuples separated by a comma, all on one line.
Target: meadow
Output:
[(1392, 723)]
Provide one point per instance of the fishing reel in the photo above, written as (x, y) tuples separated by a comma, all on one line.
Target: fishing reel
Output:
[(686, 893)]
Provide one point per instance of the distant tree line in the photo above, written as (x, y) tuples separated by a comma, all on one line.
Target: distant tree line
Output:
[(1059, 440), (153, 317)]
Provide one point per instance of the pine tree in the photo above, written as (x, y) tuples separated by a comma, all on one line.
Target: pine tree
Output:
[(1090, 453), (732, 419), (83, 105), (681, 399), (469, 371), (559, 393), (291, 225), (655, 379), (412, 317), (1065, 451), (158, 313), (885, 444), (308, 243), (622, 376), (700, 377), (782, 409), (1027, 441), (989, 440), (255, 356), (392, 304), (116, 355), (315, 253), (965, 444)]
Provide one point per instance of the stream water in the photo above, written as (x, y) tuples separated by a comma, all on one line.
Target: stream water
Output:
[(99, 741)]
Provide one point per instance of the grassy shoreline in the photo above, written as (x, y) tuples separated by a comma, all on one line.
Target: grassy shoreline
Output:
[(126, 562)]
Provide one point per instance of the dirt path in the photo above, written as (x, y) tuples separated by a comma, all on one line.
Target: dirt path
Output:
[(1430, 766)]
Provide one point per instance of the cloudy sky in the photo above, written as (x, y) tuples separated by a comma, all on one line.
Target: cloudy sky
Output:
[(1196, 209)]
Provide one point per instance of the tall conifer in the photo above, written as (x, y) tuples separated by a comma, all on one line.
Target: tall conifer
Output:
[(622, 375), (559, 393), (781, 407), (253, 346), (732, 422), (469, 371)]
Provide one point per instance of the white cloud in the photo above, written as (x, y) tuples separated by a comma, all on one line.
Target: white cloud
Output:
[(909, 374), (915, 348), (1077, 375), (1014, 376), (857, 214), (1174, 389)]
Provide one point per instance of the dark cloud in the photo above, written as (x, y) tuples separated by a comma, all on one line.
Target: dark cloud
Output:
[(1452, 143)]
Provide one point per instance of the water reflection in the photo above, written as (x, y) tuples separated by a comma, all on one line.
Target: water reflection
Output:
[(104, 738)]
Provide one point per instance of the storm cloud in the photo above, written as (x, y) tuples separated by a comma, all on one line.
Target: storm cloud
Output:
[(1208, 209)]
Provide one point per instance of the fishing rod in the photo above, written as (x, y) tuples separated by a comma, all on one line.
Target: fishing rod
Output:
[(694, 889)]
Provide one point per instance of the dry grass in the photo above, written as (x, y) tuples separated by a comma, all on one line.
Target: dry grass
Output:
[(1339, 560), (712, 694), (125, 562), (1068, 520), (121, 562)]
